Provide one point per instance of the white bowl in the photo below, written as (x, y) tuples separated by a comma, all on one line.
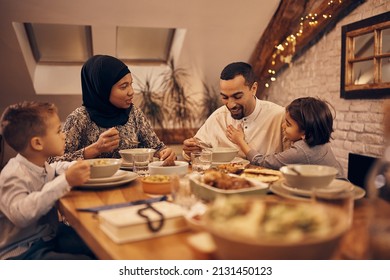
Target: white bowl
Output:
[(104, 167), (311, 176), (127, 154), (246, 235), (223, 154), (156, 168)]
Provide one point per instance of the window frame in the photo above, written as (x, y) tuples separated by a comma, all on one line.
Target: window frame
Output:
[(37, 52), (377, 89)]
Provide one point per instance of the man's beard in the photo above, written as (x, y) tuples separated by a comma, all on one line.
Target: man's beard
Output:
[(237, 115)]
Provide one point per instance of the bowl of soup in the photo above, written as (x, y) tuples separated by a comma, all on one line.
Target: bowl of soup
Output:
[(104, 167)]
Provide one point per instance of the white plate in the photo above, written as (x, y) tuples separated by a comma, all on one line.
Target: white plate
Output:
[(334, 186), (278, 189), (119, 175), (130, 176), (235, 160)]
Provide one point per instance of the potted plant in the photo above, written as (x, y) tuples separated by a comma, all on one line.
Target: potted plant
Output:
[(150, 102), (177, 104)]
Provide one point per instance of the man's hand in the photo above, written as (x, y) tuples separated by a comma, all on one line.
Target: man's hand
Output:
[(190, 145)]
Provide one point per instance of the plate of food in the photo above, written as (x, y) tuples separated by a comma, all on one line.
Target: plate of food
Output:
[(214, 182), (236, 160), (261, 174), (234, 167)]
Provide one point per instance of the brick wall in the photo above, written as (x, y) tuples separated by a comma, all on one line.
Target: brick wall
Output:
[(358, 123)]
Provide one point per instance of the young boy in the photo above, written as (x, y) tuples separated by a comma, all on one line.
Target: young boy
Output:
[(30, 187)]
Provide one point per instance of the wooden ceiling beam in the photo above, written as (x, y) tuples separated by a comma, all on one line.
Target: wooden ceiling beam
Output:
[(291, 17)]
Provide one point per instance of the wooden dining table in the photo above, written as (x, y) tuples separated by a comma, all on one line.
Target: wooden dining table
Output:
[(354, 245)]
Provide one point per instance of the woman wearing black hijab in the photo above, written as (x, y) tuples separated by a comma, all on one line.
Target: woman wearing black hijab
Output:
[(108, 121)]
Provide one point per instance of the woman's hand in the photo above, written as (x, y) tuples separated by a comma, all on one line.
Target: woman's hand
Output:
[(108, 140), (168, 156)]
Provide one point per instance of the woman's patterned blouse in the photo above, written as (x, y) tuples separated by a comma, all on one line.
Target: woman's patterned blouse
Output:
[(81, 132)]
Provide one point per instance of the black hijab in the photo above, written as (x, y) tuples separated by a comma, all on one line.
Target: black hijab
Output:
[(98, 75)]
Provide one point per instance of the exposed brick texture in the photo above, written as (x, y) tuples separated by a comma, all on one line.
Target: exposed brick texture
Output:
[(358, 123)]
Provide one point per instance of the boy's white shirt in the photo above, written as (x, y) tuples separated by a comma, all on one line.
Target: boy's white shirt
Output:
[(27, 193)]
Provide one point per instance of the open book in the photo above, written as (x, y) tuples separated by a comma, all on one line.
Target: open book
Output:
[(142, 221)]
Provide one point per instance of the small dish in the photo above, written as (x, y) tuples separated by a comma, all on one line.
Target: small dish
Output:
[(156, 184), (180, 168)]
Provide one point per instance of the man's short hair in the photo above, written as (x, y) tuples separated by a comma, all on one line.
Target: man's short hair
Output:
[(239, 68)]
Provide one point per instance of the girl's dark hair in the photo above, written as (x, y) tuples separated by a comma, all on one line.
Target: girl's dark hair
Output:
[(314, 117), (239, 68)]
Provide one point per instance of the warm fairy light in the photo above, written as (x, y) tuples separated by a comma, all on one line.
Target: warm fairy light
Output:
[(285, 50)]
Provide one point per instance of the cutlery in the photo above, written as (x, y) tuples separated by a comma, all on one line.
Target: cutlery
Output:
[(125, 204), (203, 145), (293, 169), (130, 142)]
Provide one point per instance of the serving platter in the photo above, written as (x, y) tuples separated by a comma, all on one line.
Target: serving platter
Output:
[(209, 193)]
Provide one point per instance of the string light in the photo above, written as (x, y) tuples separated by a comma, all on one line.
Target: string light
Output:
[(285, 51)]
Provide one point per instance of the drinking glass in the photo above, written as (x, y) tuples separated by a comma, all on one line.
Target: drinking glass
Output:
[(201, 161), (141, 163), (181, 192), (342, 199)]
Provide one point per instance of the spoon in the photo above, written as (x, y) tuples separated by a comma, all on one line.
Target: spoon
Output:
[(203, 145), (130, 142), (295, 170)]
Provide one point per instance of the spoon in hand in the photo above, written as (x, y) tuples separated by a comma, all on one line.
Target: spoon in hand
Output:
[(130, 142)]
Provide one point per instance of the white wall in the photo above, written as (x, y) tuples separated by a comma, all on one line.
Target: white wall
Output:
[(358, 123)]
